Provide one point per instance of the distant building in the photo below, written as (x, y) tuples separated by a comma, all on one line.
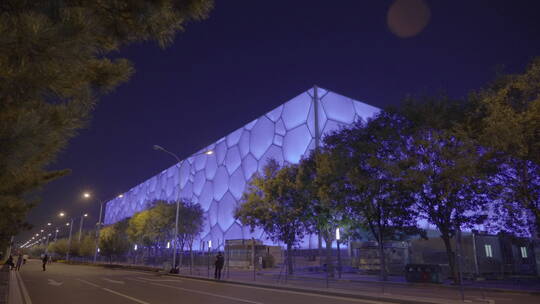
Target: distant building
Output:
[(483, 255), (216, 182)]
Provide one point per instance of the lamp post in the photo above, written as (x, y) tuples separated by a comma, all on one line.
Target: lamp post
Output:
[(180, 162), (56, 234), (98, 224), (209, 248), (70, 224), (338, 237), (47, 244), (81, 225)]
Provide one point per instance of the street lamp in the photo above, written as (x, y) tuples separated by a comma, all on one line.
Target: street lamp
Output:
[(99, 224), (180, 163), (338, 237), (62, 214), (81, 225)]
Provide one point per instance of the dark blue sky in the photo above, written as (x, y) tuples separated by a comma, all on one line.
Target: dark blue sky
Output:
[(251, 56)]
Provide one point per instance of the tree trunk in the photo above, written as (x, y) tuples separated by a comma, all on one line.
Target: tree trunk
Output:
[(382, 258), (329, 261), (181, 257), (288, 257), (191, 257), (451, 257), (320, 249)]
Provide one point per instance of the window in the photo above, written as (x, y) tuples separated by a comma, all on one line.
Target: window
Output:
[(523, 252), (489, 252)]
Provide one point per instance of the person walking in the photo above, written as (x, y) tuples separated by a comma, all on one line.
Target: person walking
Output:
[(19, 262), (9, 262), (220, 261), (44, 260)]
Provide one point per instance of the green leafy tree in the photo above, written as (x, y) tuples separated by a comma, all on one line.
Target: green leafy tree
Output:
[(154, 227), (54, 66), (506, 120), (320, 183), (88, 245), (272, 202), (37, 250), (113, 241), (59, 248)]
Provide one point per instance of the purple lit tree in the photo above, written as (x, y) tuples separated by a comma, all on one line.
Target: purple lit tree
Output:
[(506, 120), (379, 198), (451, 187)]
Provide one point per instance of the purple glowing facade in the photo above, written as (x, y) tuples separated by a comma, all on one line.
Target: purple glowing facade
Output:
[(216, 182)]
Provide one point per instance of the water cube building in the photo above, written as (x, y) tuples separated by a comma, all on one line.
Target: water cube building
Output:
[(216, 182)]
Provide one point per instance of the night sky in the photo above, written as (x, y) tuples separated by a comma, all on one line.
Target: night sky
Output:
[(251, 56)]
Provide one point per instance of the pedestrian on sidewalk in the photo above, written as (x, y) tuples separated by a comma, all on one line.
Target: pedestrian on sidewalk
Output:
[(19, 262), (44, 260), (220, 261), (9, 262)]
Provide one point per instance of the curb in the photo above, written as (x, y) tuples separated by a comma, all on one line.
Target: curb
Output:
[(439, 286)]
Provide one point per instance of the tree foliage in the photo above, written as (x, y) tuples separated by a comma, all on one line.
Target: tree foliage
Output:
[(506, 120), (273, 204), (377, 195), (113, 240), (320, 184), (153, 227), (54, 66), (59, 247)]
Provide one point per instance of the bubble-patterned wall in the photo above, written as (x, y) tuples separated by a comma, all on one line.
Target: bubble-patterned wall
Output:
[(217, 181)]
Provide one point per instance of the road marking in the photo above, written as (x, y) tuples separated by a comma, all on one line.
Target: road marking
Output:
[(208, 294), (114, 292), (298, 293), (24, 291), (125, 296), (54, 283), (113, 281), (89, 283), (160, 280)]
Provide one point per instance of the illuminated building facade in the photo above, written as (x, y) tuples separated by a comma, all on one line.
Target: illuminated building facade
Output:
[(216, 182)]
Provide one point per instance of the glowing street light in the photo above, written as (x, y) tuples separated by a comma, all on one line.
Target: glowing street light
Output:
[(86, 195), (61, 214)]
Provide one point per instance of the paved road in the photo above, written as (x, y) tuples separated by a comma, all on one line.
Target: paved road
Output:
[(86, 284)]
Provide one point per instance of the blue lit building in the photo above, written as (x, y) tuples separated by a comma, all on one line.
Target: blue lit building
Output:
[(216, 182)]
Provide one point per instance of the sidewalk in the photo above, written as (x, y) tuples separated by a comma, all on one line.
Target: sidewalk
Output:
[(4, 284), (527, 285)]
